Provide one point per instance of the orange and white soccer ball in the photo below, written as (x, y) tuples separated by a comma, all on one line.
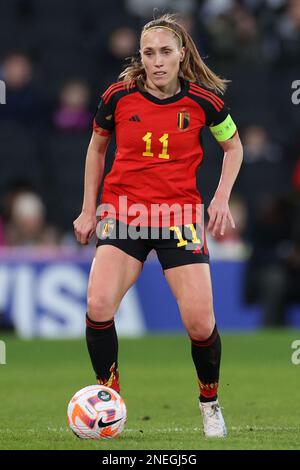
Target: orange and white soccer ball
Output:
[(97, 412)]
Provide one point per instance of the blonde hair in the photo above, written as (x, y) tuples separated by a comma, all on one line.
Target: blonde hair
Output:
[(192, 68)]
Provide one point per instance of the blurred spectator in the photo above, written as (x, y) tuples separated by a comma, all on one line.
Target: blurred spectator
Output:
[(122, 44), (289, 24), (247, 37), (233, 33), (214, 8), (273, 273), (17, 71), (263, 5), (73, 112), (26, 225), (2, 234), (287, 35), (23, 103), (146, 9), (264, 173)]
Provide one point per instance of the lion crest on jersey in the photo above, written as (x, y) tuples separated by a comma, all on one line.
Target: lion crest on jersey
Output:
[(107, 227)]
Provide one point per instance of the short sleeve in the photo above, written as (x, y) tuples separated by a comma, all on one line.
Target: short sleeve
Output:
[(215, 113), (104, 117), (218, 119)]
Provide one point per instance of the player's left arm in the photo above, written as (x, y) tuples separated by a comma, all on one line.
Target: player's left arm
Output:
[(218, 210)]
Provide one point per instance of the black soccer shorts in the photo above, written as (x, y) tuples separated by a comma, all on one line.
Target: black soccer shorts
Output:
[(175, 246)]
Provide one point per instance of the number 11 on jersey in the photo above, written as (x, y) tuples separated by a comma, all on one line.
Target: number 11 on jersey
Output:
[(165, 142)]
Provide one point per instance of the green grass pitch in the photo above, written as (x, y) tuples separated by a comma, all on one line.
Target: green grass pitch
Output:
[(259, 393)]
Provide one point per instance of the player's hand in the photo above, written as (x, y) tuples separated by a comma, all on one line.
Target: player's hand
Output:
[(84, 227), (219, 213)]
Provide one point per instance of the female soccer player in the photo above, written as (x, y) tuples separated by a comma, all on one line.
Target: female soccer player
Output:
[(157, 110)]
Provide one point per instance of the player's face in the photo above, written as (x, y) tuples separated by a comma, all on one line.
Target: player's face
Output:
[(161, 56)]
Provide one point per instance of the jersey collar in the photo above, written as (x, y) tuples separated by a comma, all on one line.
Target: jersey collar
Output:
[(171, 99)]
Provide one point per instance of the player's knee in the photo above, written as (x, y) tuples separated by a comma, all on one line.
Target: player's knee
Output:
[(201, 322), (201, 331), (100, 308)]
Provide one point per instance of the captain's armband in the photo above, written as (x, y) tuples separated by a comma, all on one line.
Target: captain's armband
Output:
[(225, 130)]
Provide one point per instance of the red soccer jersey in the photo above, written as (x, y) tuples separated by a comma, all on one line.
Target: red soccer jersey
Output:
[(158, 148)]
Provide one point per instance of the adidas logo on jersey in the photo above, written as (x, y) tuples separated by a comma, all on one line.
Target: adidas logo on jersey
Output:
[(135, 118)]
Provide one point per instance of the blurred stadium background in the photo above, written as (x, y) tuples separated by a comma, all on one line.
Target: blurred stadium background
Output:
[(56, 58)]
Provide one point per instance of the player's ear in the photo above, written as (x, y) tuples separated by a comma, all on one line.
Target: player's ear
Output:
[(182, 54)]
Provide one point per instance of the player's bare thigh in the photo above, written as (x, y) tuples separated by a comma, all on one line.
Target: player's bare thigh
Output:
[(113, 272), (191, 286)]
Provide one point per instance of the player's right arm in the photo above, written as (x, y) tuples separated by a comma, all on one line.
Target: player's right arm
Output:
[(85, 224), (103, 127)]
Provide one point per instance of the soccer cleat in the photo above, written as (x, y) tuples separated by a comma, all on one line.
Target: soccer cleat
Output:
[(213, 421)]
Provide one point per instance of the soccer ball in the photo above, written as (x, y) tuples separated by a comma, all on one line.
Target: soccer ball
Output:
[(97, 412)]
